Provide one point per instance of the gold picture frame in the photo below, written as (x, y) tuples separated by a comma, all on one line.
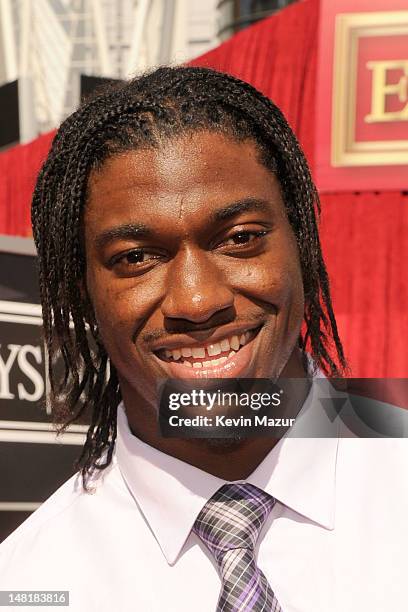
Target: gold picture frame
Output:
[(345, 150)]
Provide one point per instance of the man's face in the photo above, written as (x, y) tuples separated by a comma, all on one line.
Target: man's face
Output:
[(192, 266)]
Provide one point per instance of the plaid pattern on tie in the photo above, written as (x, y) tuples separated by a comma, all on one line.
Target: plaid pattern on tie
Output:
[(229, 525)]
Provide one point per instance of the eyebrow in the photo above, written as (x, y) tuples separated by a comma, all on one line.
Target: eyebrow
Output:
[(127, 231), (244, 205)]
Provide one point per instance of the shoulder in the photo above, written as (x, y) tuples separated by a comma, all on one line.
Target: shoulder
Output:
[(55, 506), (48, 541), (388, 452), (374, 469)]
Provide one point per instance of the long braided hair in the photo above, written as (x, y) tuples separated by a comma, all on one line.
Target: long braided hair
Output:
[(167, 102)]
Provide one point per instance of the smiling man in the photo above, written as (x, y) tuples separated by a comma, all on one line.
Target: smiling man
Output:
[(175, 221), (193, 271)]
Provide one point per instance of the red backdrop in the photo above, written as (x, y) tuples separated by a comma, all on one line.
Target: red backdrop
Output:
[(18, 169), (364, 235)]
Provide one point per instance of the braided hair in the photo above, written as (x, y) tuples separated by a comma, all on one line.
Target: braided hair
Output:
[(165, 103)]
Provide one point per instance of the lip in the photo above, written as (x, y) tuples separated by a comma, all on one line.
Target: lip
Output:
[(234, 367), (203, 337)]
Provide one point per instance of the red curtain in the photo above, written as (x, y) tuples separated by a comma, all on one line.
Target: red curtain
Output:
[(19, 167), (365, 241), (364, 235)]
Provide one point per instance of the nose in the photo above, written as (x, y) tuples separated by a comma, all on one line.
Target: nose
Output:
[(196, 287)]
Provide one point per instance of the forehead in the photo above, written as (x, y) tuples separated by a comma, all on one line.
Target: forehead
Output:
[(183, 177)]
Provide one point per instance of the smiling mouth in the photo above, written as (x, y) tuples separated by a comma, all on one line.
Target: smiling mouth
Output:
[(209, 355)]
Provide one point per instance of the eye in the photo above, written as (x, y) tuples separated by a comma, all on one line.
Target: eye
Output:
[(244, 237), (134, 258)]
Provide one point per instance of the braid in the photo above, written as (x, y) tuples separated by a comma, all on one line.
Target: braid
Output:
[(143, 112)]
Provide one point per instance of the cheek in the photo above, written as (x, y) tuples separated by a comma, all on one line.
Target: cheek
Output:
[(121, 306), (270, 278), (110, 312)]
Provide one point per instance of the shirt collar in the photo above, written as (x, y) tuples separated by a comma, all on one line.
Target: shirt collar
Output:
[(298, 472), (169, 492)]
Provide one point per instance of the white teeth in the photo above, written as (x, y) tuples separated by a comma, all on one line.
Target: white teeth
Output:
[(214, 362), (197, 364), (214, 349), (232, 353), (188, 364), (230, 345), (225, 345), (234, 343)]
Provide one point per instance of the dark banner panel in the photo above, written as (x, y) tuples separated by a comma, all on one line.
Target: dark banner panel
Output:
[(14, 267), (33, 461), (9, 117), (91, 83)]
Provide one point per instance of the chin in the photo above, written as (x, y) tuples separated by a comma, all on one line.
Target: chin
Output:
[(222, 445)]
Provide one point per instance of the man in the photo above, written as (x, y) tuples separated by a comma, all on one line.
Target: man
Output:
[(175, 225)]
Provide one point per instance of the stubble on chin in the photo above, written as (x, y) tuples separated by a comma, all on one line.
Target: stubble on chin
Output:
[(221, 445)]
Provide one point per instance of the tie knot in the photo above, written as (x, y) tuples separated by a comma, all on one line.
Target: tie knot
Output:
[(233, 518)]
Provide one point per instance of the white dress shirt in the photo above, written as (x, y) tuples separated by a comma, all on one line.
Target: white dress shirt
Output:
[(335, 541)]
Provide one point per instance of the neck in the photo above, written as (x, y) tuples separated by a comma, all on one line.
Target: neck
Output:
[(228, 459)]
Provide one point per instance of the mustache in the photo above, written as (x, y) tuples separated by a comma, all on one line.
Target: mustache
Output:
[(184, 326)]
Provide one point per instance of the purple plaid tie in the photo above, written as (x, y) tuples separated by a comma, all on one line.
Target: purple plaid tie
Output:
[(229, 525)]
